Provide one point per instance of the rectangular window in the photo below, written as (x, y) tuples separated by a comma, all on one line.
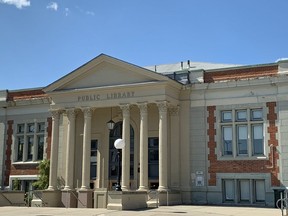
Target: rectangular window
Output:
[(93, 159), (244, 189), (20, 128), (259, 186), (241, 115), (227, 140), (153, 157), (257, 139), (41, 127), (40, 142), (242, 132), (30, 128), (226, 116), (229, 190), (29, 145), (30, 140), (247, 190), (256, 114), (20, 147), (242, 140)]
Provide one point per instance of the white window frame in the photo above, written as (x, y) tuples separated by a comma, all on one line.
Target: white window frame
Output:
[(28, 133), (234, 123)]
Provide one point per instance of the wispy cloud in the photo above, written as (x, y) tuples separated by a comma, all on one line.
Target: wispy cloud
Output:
[(91, 13), (67, 11), (52, 6), (18, 3)]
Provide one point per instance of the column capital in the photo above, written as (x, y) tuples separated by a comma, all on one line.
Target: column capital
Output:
[(71, 113), (162, 106), (174, 110), (55, 113), (143, 107), (87, 112), (125, 109)]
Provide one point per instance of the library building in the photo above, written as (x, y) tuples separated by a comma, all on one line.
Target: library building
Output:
[(122, 136)]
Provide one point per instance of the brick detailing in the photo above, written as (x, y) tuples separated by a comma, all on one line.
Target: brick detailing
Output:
[(273, 142), (241, 166), (48, 139), (211, 132), (27, 94), (8, 152), (241, 73), (24, 169)]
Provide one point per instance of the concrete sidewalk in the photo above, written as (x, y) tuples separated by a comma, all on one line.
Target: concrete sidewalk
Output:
[(161, 211)]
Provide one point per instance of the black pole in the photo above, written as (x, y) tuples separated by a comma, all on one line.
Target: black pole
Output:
[(118, 186)]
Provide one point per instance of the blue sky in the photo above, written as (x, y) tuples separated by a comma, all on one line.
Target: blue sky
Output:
[(41, 40)]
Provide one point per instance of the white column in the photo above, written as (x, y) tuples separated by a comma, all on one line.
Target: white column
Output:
[(126, 150), (143, 147), (175, 147), (71, 114), (86, 149), (163, 183), (54, 150)]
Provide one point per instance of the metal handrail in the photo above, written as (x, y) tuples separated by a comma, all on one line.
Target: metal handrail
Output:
[(37, 196), (7, 199), (156, 193), (76, 197), (284, 204)]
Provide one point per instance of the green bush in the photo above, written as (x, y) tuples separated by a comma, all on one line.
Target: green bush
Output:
[(43, 182)]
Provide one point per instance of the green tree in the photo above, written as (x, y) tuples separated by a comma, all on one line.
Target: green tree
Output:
[(43, 181), (16, 184)]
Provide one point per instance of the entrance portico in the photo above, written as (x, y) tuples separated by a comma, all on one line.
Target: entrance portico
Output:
[(81, 107)]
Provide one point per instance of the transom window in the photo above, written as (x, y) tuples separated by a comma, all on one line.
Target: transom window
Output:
[(242, 132), (29, 141)]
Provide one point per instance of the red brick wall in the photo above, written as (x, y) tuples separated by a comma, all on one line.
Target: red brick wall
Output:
[(272, 131), (48, 140), (28, 94), (8, 151), (241, 73), (242, 166), (22, 169)]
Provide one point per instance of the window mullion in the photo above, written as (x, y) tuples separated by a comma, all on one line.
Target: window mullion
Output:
[(250, 152), (234, 137), (25, 146), (35, 143)]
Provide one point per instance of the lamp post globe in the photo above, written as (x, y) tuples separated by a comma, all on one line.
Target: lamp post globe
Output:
[(119, 144)]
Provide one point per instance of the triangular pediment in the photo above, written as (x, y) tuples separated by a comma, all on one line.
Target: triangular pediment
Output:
[(105, 71)]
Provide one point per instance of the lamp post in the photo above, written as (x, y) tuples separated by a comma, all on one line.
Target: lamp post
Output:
[(119, 144)]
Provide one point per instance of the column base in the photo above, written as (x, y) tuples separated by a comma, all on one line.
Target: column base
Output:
[(69, 198), (85, 197), (143, 188), (163, 189), (125, 188)]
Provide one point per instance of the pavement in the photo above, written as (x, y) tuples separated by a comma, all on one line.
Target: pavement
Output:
[(182, 210)]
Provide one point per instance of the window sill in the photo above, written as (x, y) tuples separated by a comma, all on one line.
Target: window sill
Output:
[(26, 162), (222, 158)]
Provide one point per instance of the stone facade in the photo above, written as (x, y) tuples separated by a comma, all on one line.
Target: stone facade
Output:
[(213, 136)]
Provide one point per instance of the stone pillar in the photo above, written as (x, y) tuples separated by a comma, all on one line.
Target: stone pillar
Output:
[(86, 149), (175, 147), (71, 113), (163, 183), (54, 150), (143, 147), (126, 150)]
